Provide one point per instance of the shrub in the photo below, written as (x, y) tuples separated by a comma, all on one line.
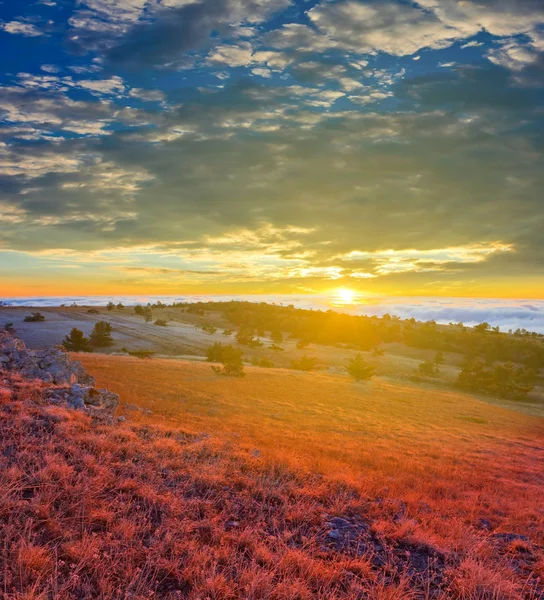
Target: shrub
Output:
[(276, 336), (110, 305), (120, 306), (503, 380), (141, 353), (246, 337), (208, 328), (306, 363), (302, 344), (93, 311), (35, 317), (359, 369), (439, 358), (230, 357), (76, 341), (139, 310), (101, 335), (428, 368), (9, 328), (161, 322), (262, 362)]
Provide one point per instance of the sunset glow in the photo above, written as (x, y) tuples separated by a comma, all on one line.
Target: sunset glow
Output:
[(272, 146)]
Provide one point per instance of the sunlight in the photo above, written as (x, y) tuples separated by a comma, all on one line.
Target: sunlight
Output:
[(345, 296)]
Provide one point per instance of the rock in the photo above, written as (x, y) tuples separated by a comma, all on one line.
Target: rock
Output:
[(334, 534), (131, 407), (121, 419), (69, 383)]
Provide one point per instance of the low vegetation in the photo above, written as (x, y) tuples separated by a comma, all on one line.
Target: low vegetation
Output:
[(35, 317)]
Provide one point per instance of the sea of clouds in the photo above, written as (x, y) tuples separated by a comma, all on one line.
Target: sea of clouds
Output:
[(506, 313)]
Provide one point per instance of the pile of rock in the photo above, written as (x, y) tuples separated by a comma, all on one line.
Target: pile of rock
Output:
[(69, 383)]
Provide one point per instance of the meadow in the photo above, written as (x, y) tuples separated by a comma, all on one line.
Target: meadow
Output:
[(279, 485)]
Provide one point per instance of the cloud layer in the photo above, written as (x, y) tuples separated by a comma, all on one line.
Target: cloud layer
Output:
[(274, 145)]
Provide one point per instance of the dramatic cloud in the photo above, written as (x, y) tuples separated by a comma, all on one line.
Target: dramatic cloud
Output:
[(274, 145)]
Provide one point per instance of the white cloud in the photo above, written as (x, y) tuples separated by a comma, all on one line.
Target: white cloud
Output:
[(147, 95), (232, 56), (20, 28), (512, 55), (112, 85)]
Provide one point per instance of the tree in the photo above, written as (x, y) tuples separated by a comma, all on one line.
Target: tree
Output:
[(302, 344), (246, 337), (110, 305), (147, 314), (359, 369), (139, 310), (161, 322), (482, 327), (120, 306), (76, 342), (230, 357), (101, 335), (439, 358), (276, 336), (428, 368)]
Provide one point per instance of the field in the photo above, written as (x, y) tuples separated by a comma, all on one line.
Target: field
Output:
[(457, 471), (281, 485)]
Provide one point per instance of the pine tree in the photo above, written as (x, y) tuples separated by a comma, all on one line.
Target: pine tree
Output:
[(76, 342), (101, 335)]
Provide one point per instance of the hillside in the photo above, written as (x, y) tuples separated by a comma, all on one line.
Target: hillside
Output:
[(224, 491)]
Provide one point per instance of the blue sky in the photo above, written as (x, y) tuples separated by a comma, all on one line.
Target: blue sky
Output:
[(271, 146)]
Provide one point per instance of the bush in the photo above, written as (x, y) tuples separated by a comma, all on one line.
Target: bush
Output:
[(9, 328), (262, 362), (93, 311), (306, 363), (276, 336), (208, 328), (34, 318), (428, 368), (120, 306), (101, 335), (110, 305), (276, 348), (246, 337), (359, 369), (229, 356), (139, 310), (302, 344), (503, 380), (76, 341), (161, 322)]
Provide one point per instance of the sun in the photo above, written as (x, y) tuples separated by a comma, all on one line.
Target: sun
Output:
[(345, 296)]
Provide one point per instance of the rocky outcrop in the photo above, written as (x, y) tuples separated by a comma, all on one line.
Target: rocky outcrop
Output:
[(51, 365), (66, 380)]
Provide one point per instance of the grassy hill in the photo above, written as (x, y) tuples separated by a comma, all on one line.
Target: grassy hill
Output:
[(306, 486)]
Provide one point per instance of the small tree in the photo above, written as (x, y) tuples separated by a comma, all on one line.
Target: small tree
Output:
[(110, 305), (101, 335), (276, 336), (359, 369), (148, 315), (76, 342), (120, 306), (439, 358), (231, 359), (428, 368), (139, 310), (302, 344)]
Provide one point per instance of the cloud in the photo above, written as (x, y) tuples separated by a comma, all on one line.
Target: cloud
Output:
[(21, 28), (173, 32), (147, 95)]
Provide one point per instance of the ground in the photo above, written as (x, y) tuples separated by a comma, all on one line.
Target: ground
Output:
[(279, 485)]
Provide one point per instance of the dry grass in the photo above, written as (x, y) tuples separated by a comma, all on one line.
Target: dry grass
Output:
[(154, 509)]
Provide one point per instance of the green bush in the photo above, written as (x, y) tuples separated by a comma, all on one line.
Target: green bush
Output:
[(76, 341), (359, 369)]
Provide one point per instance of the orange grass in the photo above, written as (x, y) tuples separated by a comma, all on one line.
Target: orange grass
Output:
[(155, 509)]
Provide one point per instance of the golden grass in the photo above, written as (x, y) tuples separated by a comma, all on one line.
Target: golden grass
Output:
[(466, 458)]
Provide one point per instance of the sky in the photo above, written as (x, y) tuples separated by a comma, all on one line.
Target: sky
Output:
[(272, 147)]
